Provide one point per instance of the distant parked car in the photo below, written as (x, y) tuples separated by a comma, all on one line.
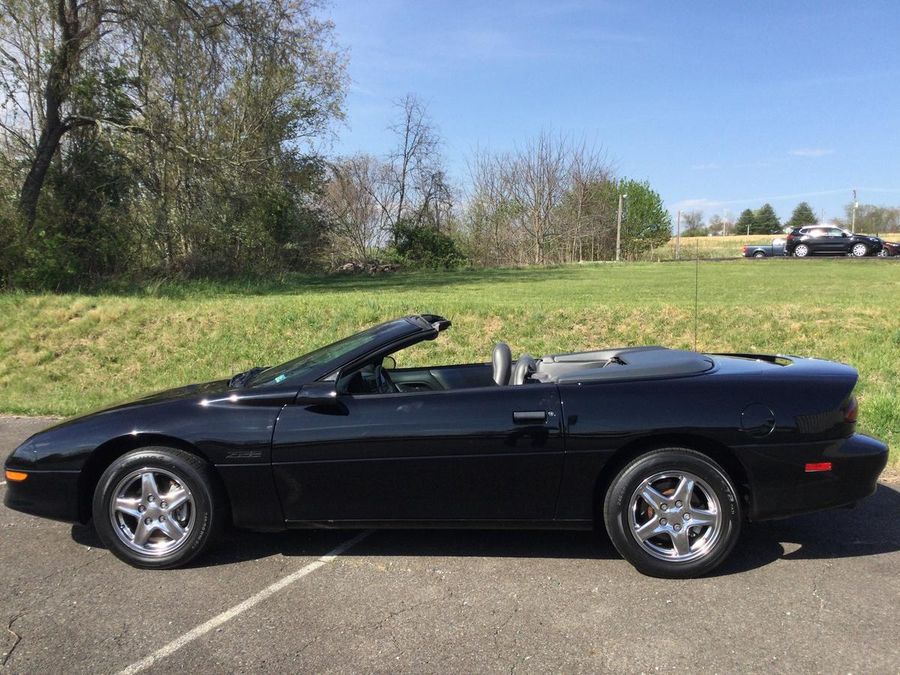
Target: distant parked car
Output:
[(889, 249), (776, 248), (829, 240)]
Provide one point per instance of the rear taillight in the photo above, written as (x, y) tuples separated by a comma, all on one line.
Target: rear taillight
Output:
[(744, 249), (791, 235), (851, 411)]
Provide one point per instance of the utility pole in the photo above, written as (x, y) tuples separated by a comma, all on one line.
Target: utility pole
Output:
[(678, 236), (853, 217), (619, 228)]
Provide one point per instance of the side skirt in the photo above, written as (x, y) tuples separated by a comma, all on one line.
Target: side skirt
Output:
[(441, 524)]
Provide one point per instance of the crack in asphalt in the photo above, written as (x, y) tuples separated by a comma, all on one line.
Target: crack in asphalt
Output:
[(18, 638), (378, 625)]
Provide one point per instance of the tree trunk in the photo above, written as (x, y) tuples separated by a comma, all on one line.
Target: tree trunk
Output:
[(37, 174), (64, 60)]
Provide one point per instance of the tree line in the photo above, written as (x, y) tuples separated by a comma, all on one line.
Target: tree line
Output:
[(551, 200), (188, 138), (764, 220)]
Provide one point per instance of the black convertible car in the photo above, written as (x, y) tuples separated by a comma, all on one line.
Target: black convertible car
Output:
[(670, 450)]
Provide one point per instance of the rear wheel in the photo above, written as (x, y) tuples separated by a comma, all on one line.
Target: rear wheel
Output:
[(801, 251), (673, 513), (759, 254), (158, 507), (859, 250)]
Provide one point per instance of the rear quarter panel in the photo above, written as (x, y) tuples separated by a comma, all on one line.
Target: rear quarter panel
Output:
[(603, 419)]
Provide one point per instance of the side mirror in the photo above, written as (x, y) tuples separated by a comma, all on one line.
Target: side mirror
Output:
[(388, 363), (317, 393)]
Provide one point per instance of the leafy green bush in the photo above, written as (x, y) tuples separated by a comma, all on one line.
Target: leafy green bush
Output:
[(425, 247)]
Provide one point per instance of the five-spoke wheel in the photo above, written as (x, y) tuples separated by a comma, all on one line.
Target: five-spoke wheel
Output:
[(675, 515), (152, 511), (673, 512), (157, 507)]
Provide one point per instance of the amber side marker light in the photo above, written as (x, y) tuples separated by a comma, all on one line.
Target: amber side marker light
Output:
[(16, 476), (815, 467), (851, 413)]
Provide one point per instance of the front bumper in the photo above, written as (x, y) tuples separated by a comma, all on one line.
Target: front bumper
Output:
[(781, 487), (49, 494)]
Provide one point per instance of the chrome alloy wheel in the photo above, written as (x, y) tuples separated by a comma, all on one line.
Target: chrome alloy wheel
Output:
[(152, 511), (801, 251), (860, 250), (675, 516)]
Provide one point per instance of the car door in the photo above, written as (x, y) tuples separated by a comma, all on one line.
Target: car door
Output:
[(488, 453), (839, 242), (817, 240)]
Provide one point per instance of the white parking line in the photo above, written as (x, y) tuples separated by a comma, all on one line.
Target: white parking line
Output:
[(228, 614)]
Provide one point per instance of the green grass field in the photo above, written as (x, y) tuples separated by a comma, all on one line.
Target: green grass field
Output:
[(706, 247), (66, 354)]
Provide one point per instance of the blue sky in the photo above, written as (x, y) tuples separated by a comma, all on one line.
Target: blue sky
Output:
[(720, 105)]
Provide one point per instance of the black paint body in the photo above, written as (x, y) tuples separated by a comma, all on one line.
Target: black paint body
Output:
[(452, 449), (828, 240)]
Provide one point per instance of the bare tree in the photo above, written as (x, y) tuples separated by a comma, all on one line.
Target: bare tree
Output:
[(692, 223), (586, 213), (490, 212), (414, 185), (539, 203), (351, 207)]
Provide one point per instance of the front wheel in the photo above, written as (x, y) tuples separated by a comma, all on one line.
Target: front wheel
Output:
[(673, 513), (859, 250), (158, 508)]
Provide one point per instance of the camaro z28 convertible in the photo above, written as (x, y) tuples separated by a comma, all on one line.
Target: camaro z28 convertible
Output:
[(670, 450)]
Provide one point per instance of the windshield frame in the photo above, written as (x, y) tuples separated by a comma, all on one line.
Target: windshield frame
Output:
[(326, 359)]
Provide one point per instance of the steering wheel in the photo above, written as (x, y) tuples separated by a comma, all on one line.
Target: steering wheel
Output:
[(383, 381)]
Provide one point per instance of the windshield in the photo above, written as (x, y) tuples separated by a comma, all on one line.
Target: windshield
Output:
[(298, 368)]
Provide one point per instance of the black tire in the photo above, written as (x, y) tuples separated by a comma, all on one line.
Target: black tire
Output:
[(759, 254), (711, 544), (198, 521)]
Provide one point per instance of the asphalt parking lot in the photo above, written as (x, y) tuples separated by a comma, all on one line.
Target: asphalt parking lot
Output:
[(818, 593)]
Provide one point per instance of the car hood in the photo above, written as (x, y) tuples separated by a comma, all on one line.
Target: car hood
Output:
[(199, 390), (211, 388)]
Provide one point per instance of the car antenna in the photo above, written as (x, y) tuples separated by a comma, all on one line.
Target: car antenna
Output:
[(696, 290)]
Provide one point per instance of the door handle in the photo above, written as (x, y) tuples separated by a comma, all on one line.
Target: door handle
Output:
[(529, 416)]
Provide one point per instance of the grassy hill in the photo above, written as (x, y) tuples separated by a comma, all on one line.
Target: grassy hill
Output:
[(66, 354)]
